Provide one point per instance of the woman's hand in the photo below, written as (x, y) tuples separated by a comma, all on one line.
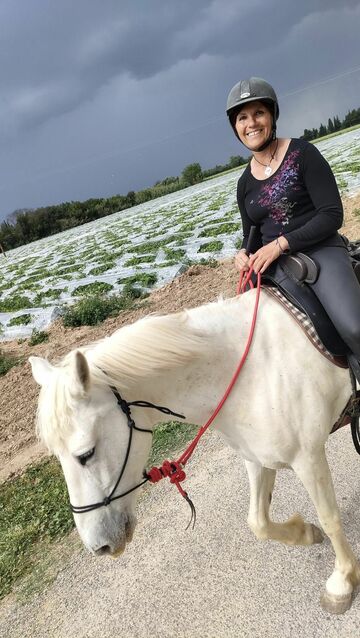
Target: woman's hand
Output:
[(263, 257), (242, 261)]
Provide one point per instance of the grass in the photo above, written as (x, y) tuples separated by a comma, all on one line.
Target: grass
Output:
[(141, 259), (151, 246), (17, 302), (36, 514), (7, 362), (211, 246), (38, 336), (341, 182), (99, 270), (347, 167), (169, 437), (94, 288), (21, 320), (221, 229), (141, 278), (175, 254), (34, 507), (52, 293)]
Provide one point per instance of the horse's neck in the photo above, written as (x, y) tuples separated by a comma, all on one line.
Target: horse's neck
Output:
[(195, 388)]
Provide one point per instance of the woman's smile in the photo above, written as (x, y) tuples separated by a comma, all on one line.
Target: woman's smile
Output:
[(254, 133), (253, 124)]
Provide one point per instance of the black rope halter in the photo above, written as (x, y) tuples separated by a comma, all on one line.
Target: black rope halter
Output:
[(125, 407)]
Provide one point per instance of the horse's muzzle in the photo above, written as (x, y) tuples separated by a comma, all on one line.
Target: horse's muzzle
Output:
[(111, 539)]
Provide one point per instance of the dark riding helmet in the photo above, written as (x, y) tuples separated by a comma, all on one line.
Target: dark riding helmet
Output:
[(252, 90)]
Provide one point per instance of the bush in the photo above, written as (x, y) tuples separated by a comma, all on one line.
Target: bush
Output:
[(129, 290), (38, 336), (95, 309)]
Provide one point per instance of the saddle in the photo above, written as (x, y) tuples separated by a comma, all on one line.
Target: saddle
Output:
[(292, 274), (291, 277)]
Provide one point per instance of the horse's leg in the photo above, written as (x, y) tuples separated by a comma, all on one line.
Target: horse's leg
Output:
[(292, 532), (314, 472)]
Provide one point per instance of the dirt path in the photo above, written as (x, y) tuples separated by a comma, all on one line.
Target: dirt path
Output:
[(217, 581)]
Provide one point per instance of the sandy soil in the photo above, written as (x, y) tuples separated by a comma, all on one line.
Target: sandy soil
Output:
[(18, 391)]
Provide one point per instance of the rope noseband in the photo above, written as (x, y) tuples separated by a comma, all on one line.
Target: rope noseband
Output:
[(125, 407)]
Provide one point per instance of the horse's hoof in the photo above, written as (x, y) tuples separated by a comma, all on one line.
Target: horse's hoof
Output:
[(317, 534), (335, 604)]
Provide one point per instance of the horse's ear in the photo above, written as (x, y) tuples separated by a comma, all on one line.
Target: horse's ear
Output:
[(41, 370), (82, 371)]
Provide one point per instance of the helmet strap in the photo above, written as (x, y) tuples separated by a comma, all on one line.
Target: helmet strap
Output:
[(269, 141)]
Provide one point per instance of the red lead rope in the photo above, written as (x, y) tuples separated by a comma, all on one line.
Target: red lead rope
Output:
[(175, 469)]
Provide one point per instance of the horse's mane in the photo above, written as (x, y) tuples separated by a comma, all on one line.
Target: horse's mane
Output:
[(149, 346)]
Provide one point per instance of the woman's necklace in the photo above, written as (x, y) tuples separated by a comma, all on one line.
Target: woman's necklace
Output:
[(268, 169)]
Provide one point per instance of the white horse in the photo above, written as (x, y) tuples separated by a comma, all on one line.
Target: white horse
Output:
[(279, 414)]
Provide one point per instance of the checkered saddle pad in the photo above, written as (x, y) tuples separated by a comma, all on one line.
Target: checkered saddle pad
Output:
[(306, 325)]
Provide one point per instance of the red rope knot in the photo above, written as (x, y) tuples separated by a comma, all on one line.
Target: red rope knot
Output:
[(171, 469), (175, 472)]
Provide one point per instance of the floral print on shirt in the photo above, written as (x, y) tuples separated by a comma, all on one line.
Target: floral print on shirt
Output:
[(273, 193)]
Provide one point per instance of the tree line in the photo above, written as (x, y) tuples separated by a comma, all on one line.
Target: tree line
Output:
[(28, 225), (334, 124)]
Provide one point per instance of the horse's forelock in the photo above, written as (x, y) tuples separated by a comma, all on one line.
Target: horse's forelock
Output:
[(55, 408)]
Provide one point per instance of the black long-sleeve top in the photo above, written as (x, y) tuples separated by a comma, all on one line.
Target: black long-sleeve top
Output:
[(300, 201)]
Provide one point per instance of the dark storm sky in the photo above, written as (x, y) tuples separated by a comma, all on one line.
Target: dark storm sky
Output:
[(101, 96)]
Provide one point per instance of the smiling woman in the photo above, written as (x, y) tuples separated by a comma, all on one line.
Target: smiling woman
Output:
[(288, 193)]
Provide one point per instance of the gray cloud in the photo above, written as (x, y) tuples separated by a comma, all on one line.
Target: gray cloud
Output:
[(58, 55), (98, 98)]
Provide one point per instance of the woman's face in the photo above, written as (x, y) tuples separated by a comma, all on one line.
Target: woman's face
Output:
[(253, 124)]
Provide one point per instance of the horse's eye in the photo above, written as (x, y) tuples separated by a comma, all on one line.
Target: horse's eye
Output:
[(86, 456)]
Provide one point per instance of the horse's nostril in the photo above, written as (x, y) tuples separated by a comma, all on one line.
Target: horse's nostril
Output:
[(102, 551)]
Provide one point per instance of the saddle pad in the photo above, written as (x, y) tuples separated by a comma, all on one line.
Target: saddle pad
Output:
[(304, 322)]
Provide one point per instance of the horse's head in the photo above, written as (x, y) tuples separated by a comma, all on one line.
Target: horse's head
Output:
[(80, 421)]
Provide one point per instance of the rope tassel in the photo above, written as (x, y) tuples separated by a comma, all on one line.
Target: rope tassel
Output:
[(193, 511), (176, 473)]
